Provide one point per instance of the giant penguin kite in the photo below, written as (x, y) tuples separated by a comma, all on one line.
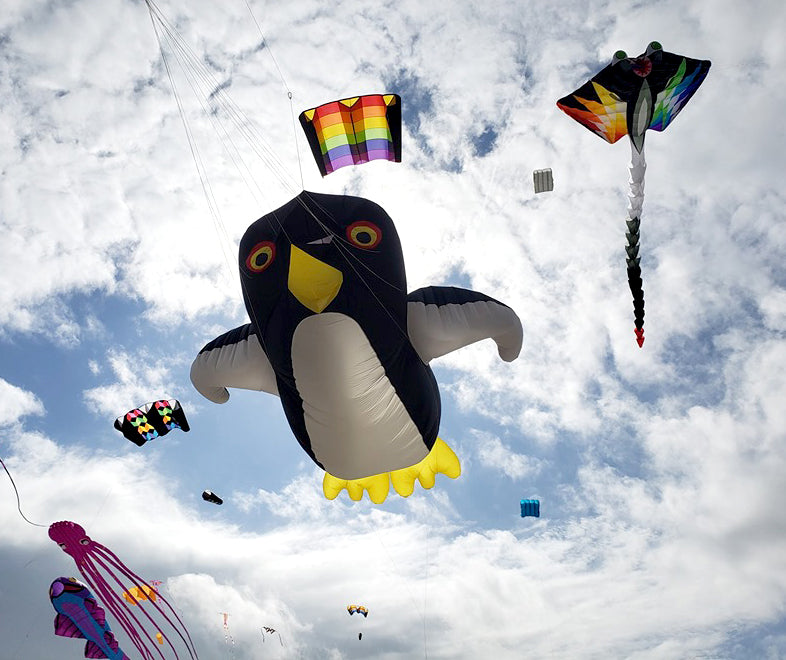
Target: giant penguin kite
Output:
[(334, 334)]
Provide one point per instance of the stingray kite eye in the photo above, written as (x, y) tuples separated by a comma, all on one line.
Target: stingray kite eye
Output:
[(619, 56), (261, 256), (364, 234)]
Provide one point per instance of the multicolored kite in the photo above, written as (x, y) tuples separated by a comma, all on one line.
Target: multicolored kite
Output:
[(78, 615), (358, 609), (628, 97), (354, 131), (152, 420)]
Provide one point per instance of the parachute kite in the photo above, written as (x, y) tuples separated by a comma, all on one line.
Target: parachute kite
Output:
[(335, 336), (152, 420), (354, 131), (210, 496), (629, 97), (93, 560), (358, 609), (530, 508), (78, 615), (543, 180)]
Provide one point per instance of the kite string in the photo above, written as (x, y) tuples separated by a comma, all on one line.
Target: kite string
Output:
[(18, 502), (286, 87), (425, 593), (191, 63)]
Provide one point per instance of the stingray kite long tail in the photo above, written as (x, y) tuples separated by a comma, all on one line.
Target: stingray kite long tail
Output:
[(636, 200)]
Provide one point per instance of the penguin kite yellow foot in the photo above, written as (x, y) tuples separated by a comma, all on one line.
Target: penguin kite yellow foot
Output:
[(441, 459), (377, 486)]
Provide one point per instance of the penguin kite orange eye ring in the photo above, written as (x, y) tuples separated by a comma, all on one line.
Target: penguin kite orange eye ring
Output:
[(364, 234), (261, 256)]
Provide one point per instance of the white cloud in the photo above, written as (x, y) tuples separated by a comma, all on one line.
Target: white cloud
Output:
[(492, 453), (16, 403), (140, 377)]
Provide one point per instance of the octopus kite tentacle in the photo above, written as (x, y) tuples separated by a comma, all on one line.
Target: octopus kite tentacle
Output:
[(108, 555), (109, 599), (122, 614), (92, 559)]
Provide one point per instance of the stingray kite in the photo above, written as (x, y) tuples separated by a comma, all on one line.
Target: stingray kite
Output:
[(95, 561), (334, 334), (354, 131), (152, 421), (78, 615), (629, 97)]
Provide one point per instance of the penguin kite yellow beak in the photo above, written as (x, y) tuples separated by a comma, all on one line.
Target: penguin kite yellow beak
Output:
[(314, 283)]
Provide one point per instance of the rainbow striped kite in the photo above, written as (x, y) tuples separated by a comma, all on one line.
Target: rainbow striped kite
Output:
[(354, 131)]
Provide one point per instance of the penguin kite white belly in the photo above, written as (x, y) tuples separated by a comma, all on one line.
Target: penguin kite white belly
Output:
[(348, 400)]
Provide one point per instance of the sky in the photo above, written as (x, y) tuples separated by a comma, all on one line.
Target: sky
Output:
[(661, 470)]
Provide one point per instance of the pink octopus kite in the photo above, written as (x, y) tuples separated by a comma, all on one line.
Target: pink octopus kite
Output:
[(92, 559)]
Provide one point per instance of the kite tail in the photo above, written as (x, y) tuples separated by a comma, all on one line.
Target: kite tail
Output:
[(102, 552), (636, 200)]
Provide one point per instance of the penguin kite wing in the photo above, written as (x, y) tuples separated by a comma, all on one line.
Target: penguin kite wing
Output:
[(235, 359), (442, 319)]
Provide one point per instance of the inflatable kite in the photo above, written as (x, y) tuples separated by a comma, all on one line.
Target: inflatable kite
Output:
[(530, 508), (136, 594), (210, 496), (78, 615), (629, 97), (354, 131), (92, 559), (152, 420), (543, 180), (334, 335)]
